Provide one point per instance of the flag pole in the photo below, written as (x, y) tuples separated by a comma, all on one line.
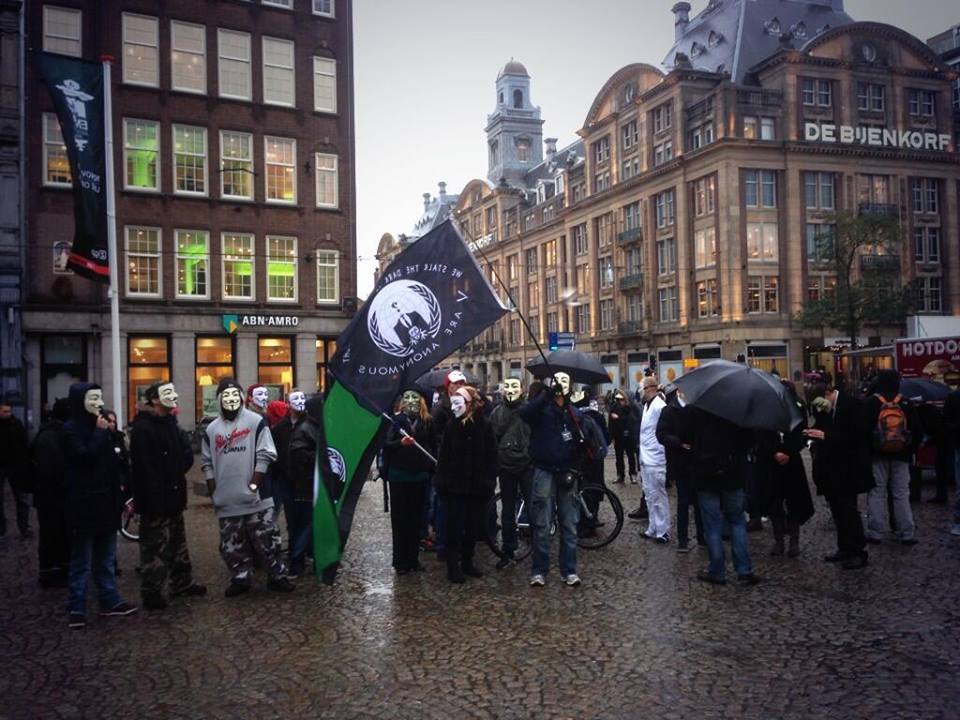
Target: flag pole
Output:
[(405, 434), (107, 61)]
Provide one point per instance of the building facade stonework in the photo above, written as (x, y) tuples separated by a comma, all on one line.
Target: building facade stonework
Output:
[(234, 165), (685, 222)]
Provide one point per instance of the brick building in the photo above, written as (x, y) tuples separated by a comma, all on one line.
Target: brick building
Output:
[(234, 164), (687, 220)]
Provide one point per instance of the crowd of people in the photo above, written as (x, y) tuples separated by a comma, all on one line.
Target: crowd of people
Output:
[(445, 455)]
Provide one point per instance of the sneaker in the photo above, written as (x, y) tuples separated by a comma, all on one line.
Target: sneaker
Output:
[(749, 579), (504, 562), (662, 540), (77, 621), (955, 530), (633, 480), (573, 580), (538, 581), (704, 576), (281, 584), (684, 547), (236, 587), (191, 590), (641, 513), (121, 608)]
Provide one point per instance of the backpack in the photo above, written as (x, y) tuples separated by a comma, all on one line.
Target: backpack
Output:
[(891, 434)]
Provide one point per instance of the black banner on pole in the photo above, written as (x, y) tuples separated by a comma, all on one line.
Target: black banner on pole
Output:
[(76, 87)]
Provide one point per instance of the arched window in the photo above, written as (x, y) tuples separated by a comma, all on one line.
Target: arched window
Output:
[(518, 99), (500, 98)]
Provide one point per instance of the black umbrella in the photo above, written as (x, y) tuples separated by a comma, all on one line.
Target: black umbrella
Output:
[(581, 368), (743, 395), (924, 390), (435, 378)]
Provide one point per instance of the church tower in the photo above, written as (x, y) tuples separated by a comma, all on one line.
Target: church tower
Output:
[(514, 129)]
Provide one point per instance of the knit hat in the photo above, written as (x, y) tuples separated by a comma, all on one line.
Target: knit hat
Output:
[(228, 382)]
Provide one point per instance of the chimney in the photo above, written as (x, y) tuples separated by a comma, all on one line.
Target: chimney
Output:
[(551, 144), (681, 13), (443, 190), (426, 201)]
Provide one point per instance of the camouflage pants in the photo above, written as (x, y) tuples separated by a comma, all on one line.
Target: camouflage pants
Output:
[(163, 553), (243, 535)]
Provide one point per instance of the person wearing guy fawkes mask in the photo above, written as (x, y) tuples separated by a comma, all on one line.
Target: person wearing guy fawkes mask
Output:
[(161, 456), (625, 429), (513, 453), (598, 436), (236, 450), (257, 399), (282, 416)]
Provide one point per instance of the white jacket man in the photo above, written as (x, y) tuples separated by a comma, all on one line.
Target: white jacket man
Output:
[(653, 464)]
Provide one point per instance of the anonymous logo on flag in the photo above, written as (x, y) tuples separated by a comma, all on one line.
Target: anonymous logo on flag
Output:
[(337, 463), (404, 317)]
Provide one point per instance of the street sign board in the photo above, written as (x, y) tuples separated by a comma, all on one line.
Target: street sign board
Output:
[(562, 340)]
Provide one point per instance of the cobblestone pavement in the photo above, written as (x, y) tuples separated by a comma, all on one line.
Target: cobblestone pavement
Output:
[(640, 638)]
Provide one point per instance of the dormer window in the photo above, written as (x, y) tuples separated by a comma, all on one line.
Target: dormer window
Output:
[(799, 30), (500, 98), (523, 149), (772, 26), (629, 93), (541, 193), (518, 99), (696, 50), (714, 38)]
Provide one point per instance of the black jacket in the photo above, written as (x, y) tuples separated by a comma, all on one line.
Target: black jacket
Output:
[(281, 433), (673, 432), (720, 451), (92, 475), (554, 440), (15, 453), (48, 466), (841, 461), (513, 437), (410, 457), (625, 428), (161, 456), (306, 439), (784, 482), (951, 418), (467, 462)]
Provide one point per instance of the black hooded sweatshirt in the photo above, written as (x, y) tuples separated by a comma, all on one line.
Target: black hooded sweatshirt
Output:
[(161, 456)]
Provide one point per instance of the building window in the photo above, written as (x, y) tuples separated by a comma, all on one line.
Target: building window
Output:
[(871, 97), (762, 241), (584, 283), (604, 230), (634, 308), (662, 117), (925, 197), (531, 260), (238, 266), (663, 153), (190, 160), (281, 268), (931, 295), (323, 7), (148, 362), (583, 319), (665, 209), (141, 147), (873, 189), (601, 150), (533, 294), (763, 294), (288, 4), (926, 242), (666, 256), (821, 287), (922, 103), (140, 57), (817, 93), (704, 196), (236, 165), (550, 285), (56, 164), (705, 247), (61, 257), (669, 304), (278, 83), (275, 365), (580, 245), (760, 188), (328, 276), (606, 272), (214, 362), (327, 180), (707, 305), (630, 168), (634, 258), (701, 135), (280, 160), (550, 254), (326, 349), (759, 128), (515, 339), (234, 64), (820, 242), (606, 315), (818, 190), (513, 268), (188, 57), (324, 85), (193, 258), (630, 135), (552, 322), (523, 149), (632, 219), (143, 262), (62, 30)]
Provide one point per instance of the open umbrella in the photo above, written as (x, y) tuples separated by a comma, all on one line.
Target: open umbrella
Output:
[(581, 368), (432, 380), (743, 395), (924, 390)]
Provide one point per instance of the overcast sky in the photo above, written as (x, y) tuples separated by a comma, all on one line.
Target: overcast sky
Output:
[(425, 72)]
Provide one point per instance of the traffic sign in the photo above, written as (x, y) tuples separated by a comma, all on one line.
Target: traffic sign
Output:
[(562, 340)]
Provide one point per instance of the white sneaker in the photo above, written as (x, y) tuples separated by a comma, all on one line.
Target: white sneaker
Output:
[(538, 581), (955, 530), (573, 580)]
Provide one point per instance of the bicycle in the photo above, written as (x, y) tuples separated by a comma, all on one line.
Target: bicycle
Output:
[(130, 521), (598, 527)]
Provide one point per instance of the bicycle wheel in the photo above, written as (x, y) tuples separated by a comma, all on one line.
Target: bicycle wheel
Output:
[(601, 517), (130, 522), (494, 531)]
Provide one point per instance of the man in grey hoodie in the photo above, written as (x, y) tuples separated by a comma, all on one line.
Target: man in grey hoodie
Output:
[(236, 450)]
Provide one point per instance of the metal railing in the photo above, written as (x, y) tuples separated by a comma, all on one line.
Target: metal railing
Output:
[(628, 282), (628, 236), (885, 209)]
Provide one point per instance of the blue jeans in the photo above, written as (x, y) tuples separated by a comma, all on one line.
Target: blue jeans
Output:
[(300, 525), (99, 554), (545, 496), (715, 508)]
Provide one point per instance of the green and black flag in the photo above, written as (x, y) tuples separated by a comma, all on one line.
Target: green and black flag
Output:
[(76, 87), (431, 301)]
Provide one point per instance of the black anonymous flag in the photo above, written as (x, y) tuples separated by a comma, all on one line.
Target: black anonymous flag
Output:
[(431, 301), (76, 87)]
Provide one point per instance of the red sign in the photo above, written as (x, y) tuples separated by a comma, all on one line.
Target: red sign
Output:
[(928, 357)]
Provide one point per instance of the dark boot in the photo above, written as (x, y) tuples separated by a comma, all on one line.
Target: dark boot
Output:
[(793, 528), (466, 564), (778, 533), (454, 573)]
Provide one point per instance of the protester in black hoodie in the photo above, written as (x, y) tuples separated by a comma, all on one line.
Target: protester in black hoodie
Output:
[(674, 433), (513, 456), (625, 430), (161, 456), (93, 504), (49, 470)]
